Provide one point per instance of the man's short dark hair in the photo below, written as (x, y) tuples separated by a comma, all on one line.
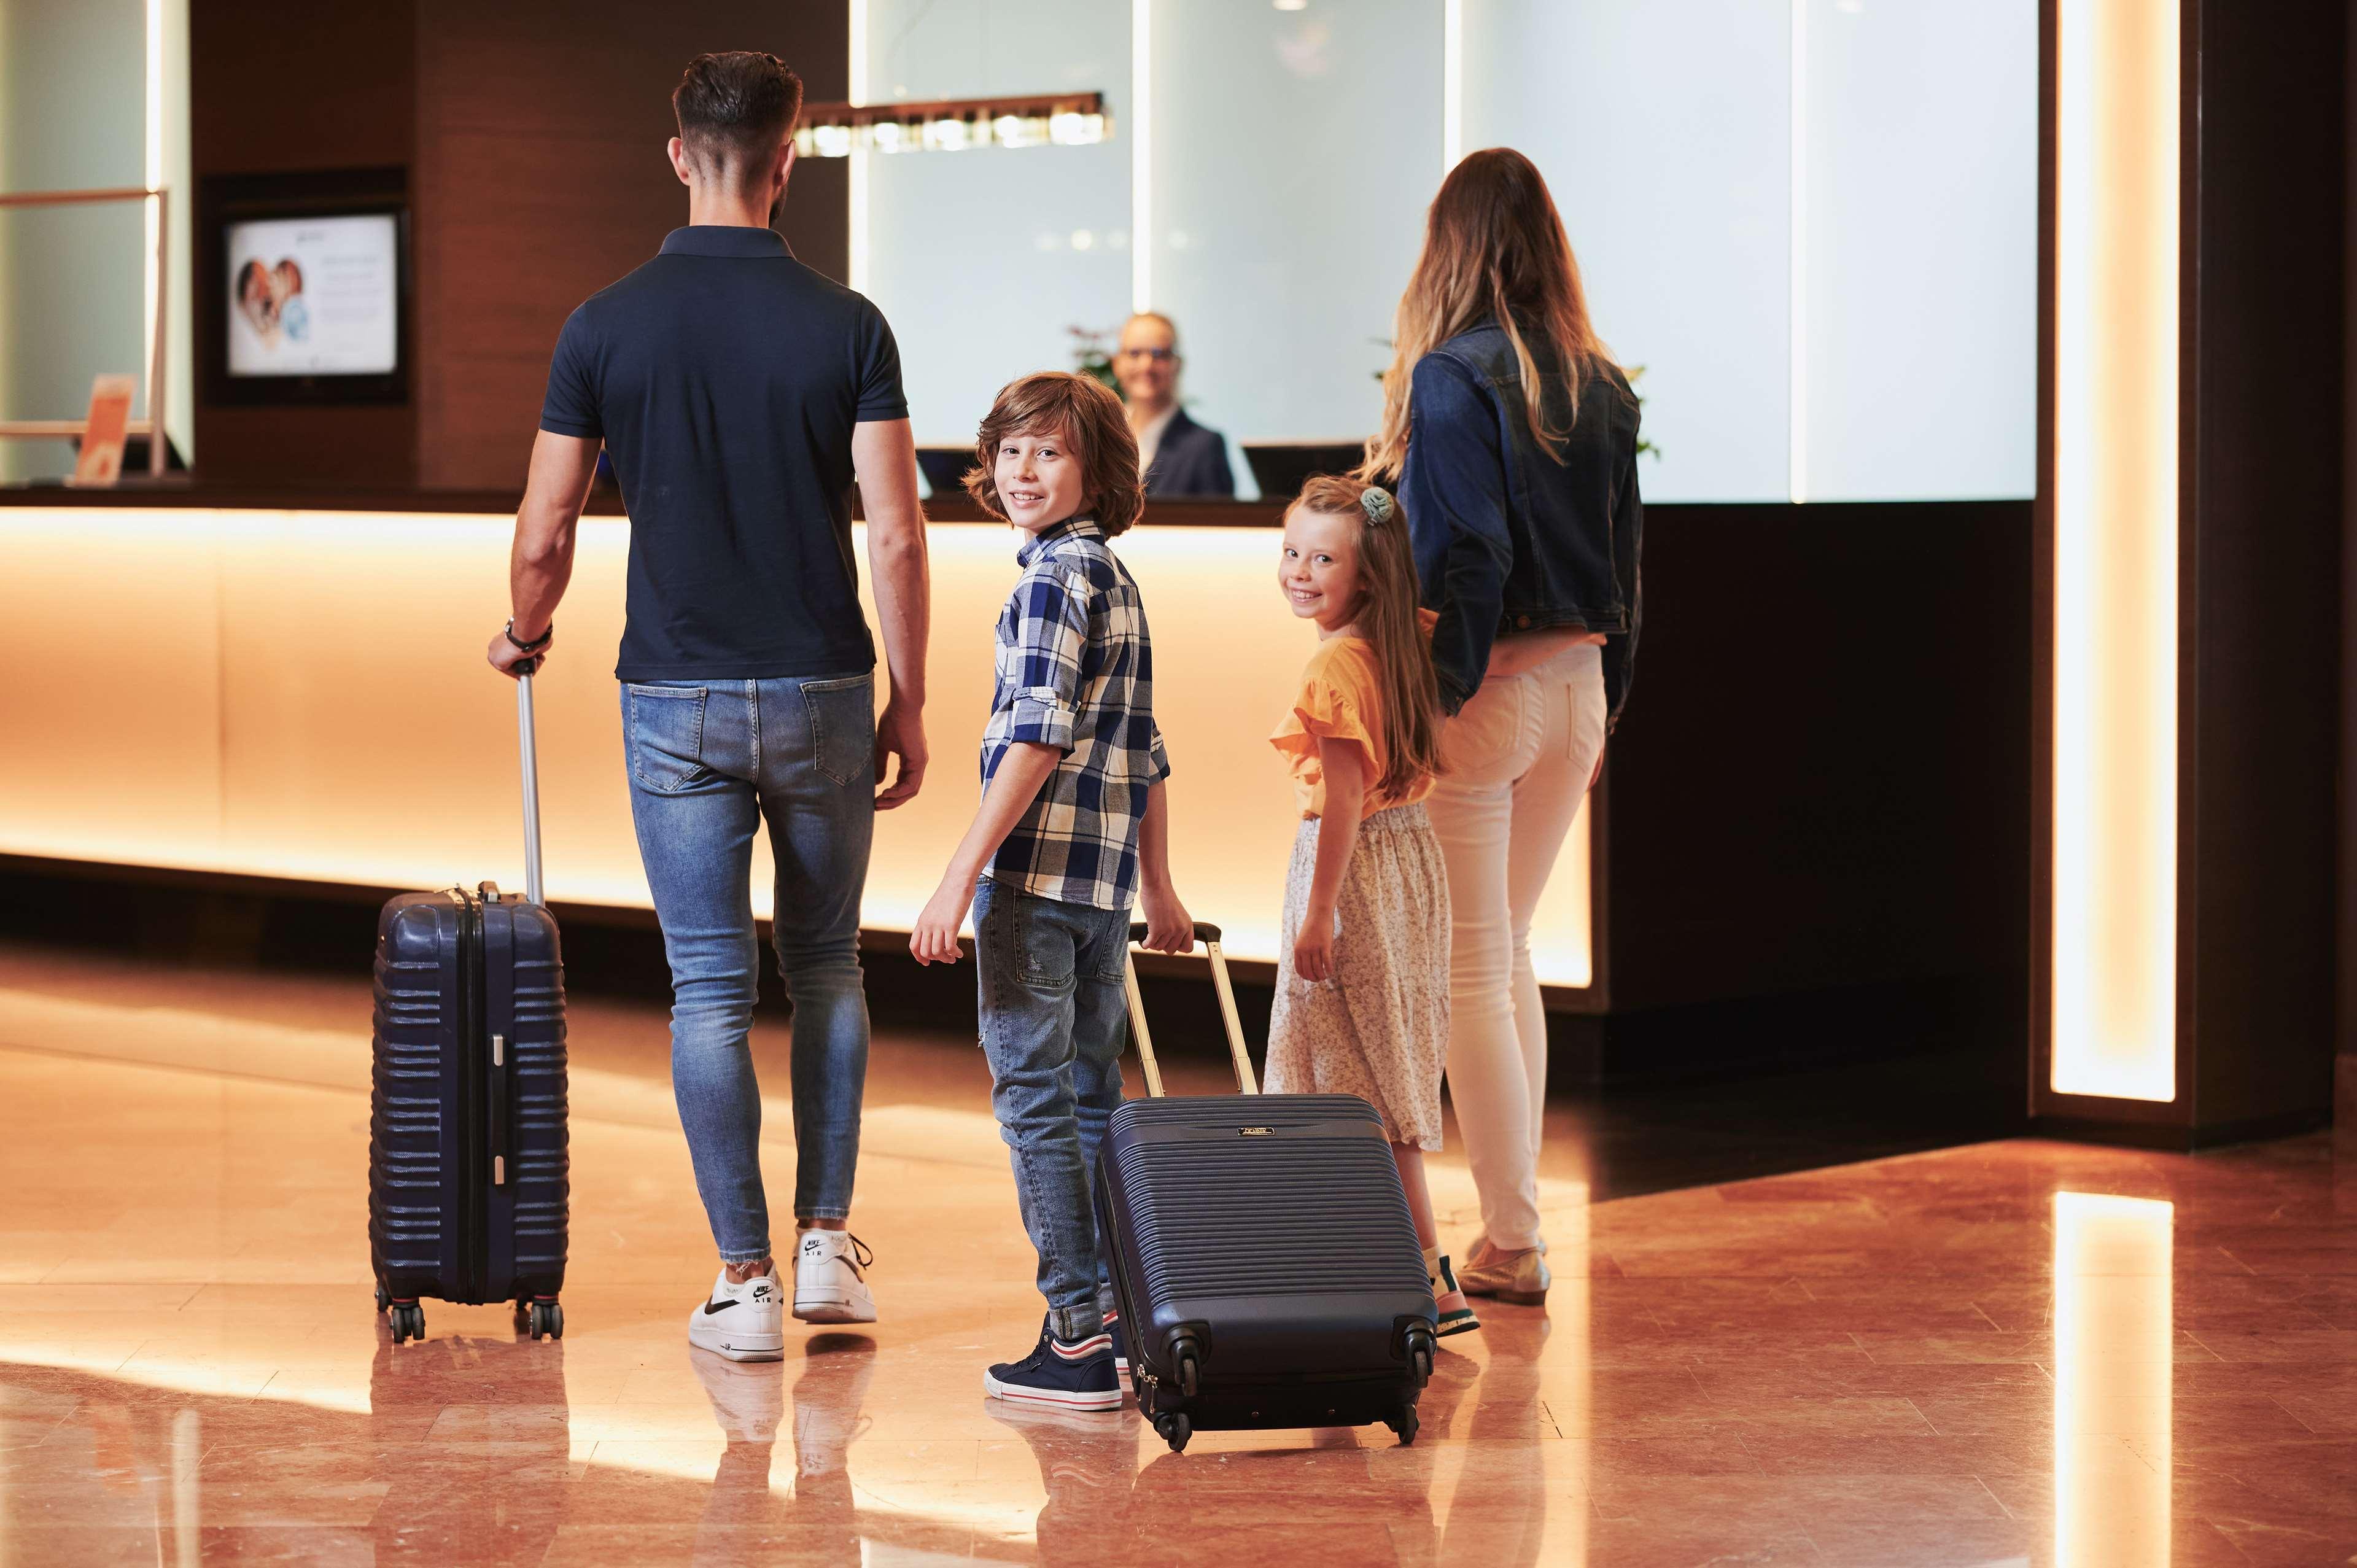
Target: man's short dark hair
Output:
[(734, 109)]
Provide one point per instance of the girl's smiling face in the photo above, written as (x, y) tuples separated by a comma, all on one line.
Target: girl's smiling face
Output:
[(1318, 569), (1039, 479)]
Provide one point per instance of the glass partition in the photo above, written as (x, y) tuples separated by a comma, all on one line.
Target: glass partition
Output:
[(1919, 327), (985, 260), (1662, 131), (1812, 223), (1294, 152)]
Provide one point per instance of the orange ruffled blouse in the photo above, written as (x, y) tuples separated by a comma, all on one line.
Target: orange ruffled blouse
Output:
[(1342, 699)]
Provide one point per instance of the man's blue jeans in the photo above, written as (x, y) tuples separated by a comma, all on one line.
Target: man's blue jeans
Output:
[(1054, 1014), (709, 762)]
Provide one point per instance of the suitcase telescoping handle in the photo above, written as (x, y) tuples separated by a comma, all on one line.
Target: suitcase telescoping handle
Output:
[(530, 752), (1208, 935)]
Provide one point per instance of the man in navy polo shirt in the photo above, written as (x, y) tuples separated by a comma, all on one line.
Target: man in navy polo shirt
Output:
[(738, 394)]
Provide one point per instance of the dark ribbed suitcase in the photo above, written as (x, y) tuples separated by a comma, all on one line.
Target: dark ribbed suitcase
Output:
[(468, 1177), (1266, 1268)]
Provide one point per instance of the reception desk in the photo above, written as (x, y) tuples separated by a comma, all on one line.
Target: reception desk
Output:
[(301, 694)]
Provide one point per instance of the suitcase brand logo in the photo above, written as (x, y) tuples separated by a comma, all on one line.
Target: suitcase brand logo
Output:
[(1254, 1131)]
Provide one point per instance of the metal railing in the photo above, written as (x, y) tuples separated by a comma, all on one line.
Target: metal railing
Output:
[(152, 427)]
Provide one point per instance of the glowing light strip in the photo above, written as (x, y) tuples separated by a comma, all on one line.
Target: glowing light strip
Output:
[(857, 262), (1141, 155), (207, 786), (1452, 84), (2114, 1332), (153, 273), (1798, 466), (2115, 372)]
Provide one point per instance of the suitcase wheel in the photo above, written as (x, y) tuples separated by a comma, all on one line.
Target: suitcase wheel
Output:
[(1189, 1375), (383, 1296), (547, 1320), (1174, 1429), (1404, 1423), (408, 1321), (1419, 1355)]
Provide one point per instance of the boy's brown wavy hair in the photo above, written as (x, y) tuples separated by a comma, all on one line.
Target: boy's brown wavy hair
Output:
[(1091, 419)]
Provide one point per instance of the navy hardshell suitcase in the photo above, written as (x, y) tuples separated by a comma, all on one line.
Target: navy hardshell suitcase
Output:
[(1267, 1271), (468, 1174)]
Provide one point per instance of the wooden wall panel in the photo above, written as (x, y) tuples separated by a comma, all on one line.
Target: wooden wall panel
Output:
[(2260, 711), (277, 89), (1823, 778), (541, 177)]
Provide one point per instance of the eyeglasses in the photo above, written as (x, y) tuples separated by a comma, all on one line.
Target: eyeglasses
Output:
[(1157, 355)]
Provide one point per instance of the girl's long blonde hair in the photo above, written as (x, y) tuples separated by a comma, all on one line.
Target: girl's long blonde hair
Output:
[(1493, 248), (1386, 618)]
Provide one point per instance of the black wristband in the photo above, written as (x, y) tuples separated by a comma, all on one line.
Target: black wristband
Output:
[(536, 644)]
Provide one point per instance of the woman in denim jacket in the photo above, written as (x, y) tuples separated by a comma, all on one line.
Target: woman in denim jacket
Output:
[(1511, 436)]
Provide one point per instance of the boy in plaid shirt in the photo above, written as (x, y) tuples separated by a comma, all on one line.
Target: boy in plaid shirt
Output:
[(1072, 827)]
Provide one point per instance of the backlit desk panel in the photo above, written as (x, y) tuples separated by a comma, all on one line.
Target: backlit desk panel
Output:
[(302, 693)]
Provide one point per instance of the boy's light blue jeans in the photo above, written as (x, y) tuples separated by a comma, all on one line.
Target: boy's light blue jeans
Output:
[(1054, 1014), (709, 761)]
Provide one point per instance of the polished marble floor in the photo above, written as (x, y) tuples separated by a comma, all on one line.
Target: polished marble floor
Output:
[(2008, 1353)]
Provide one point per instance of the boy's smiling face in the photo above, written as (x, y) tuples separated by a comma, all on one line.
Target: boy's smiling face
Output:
[(1039, 478)]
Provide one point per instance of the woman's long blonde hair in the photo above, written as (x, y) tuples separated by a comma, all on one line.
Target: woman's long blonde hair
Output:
[(1386, 618), (1493, 248)]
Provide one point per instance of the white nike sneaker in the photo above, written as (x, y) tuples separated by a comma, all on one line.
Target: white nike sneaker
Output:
[(828, 1285), (744, 1322)]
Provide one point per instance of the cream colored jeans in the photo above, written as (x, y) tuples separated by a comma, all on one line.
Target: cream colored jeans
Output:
[(1519, 755)]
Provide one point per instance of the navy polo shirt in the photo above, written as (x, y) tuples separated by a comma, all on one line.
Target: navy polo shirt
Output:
[(725, 377)]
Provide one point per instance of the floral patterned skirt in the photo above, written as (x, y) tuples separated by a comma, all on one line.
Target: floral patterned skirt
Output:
[(1379, 1029)]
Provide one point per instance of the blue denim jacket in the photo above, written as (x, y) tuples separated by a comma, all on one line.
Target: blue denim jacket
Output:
[(1507, 539)]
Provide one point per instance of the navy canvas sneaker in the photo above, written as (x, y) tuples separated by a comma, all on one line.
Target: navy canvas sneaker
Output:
[(1071, 1375)]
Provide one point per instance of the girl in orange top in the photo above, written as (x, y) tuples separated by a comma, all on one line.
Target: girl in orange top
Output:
[(1363, 978)]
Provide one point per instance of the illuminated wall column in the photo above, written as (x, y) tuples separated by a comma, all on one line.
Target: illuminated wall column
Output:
[(2116, 302), (858, 262), (1141, 155), (2113, 1340)]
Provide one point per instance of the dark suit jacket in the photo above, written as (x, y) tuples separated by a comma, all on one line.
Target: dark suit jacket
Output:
[(1192, 461)]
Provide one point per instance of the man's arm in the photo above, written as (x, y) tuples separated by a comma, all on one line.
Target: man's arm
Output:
[(884, 455), (1014, 786), (541, 562)]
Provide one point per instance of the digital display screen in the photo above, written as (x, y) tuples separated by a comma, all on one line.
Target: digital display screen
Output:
[(314, 296)]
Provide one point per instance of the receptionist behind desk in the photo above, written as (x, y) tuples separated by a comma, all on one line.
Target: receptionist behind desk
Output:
[(1177, 456)]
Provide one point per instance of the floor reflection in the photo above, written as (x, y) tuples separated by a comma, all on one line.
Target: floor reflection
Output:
[(121, 1472), (2115, 1348), (1974, 1356), (472, 1444), (813, 1505)]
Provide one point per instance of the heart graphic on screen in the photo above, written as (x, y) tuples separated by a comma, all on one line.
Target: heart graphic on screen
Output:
[(270, 297)]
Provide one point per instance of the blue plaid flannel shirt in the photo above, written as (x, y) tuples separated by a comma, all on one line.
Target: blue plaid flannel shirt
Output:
[(1076, 671)]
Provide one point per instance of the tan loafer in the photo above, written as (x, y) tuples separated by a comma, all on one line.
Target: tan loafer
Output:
[(1520, 1278)]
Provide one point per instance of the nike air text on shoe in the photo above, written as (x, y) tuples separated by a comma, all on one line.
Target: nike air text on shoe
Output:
[(745, 1321), (829, 1286), (1069, 1374)]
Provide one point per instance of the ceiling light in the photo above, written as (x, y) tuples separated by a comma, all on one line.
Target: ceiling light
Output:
[(956, 125)]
